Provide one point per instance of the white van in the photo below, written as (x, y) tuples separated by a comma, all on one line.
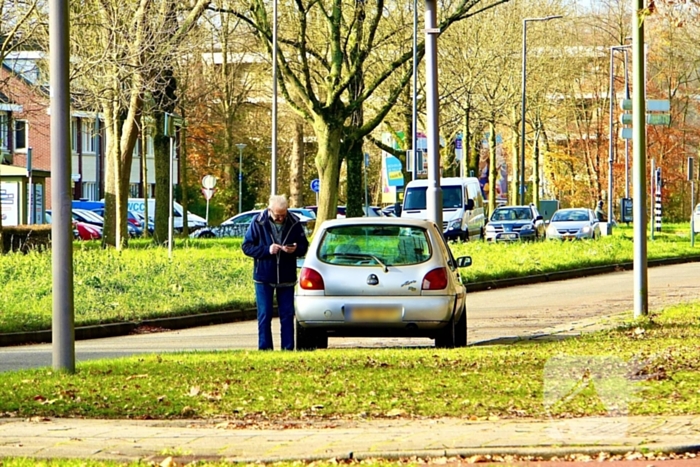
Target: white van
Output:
[(194, 221), (462, 206)]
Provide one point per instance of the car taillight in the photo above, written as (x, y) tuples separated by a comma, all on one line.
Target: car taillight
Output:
[(310, 279), (435, 279)]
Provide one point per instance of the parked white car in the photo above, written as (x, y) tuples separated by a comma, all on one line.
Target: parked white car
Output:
[(381, 276), (696, 219), (573, 224)]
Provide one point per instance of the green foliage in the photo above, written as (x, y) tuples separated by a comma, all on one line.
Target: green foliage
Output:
[(213, 274), (475, 383)]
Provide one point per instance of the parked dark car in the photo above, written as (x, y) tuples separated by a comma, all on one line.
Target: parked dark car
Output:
[(514, 223), (81, 230), (237, 225), (91, 217)]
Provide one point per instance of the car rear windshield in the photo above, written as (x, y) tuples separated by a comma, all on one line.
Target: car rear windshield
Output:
[(374, 244), (511, 214), (570, 216)]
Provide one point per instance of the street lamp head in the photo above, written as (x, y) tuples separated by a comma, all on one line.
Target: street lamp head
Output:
[(241, 146), (544, 18)]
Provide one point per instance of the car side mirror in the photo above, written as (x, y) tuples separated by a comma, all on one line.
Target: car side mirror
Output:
[(470, 204), (464, 261), (539, 218)]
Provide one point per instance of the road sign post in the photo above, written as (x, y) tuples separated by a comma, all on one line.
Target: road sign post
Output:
[(208, 184), (315, 187)]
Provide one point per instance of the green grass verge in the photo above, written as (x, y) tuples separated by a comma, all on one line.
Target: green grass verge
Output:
[(474, 383), (209, 275)]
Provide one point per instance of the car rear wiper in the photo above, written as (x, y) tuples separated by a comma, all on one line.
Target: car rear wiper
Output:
[(359, 256)]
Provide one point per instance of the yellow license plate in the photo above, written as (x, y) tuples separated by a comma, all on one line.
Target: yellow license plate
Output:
[(372, 314)]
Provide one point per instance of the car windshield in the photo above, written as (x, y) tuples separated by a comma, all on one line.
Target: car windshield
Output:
[(570, 216), (511, 214), (416, 198), (381, 245)]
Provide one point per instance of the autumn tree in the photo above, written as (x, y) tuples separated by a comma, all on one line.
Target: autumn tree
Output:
[(335, 58)]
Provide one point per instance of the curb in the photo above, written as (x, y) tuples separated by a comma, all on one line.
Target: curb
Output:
[(573, 274), (544, 452), (231, 316)]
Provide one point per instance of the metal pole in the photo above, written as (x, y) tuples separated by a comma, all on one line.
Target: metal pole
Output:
[(366, 194), (611, 145), (240, 147), (627, 141), (63, 324), (641, 292), (273, 185), (30, 220), (692, 213), (652, 186), (433, 191), (521, 190), (414, 114), (170, 204)]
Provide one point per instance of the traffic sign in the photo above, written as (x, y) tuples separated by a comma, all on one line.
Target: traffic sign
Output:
[(626, 133), (659, 119), (652, 105), (209, 181), (315, 185), (208, 193)]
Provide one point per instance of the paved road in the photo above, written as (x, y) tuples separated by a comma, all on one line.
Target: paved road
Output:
[(493, 316)]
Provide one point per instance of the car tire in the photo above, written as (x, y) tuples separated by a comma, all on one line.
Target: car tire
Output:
[(446, 336), (310, 339), (461, 329)]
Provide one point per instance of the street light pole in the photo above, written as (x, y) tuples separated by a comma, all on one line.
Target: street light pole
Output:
[(273, 187), (240, 147), (414, 113), (521, 199), (433, 191)]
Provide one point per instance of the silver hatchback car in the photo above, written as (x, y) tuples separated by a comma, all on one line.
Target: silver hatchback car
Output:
[(380, 277)]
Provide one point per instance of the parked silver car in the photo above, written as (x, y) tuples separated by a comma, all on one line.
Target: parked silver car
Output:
[(573, 223), (380, 277)]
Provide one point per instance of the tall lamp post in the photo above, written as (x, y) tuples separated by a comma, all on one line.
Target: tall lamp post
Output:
[(273, 184), (611, 146), (414, 110), (521, 199), (240, 147)]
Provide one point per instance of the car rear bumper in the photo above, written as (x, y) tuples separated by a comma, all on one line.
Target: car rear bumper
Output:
[(399, 312)]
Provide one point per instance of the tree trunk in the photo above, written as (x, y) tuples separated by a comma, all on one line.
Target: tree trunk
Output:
[(296, 166), (493, 169), (515, 161), (328, 166)]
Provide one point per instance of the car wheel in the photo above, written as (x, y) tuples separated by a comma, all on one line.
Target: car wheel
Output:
[(310, 339), (461, 329), (446, 336)]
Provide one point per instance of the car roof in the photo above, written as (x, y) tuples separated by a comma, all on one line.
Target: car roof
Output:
[(402, 221)]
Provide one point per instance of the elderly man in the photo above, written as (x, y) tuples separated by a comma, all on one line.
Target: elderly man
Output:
[(274, 240)]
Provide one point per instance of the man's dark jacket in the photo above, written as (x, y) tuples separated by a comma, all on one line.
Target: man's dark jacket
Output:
[(282, 267)]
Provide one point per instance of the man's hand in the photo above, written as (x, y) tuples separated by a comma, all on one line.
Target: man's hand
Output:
[(291, 248), (275, 248)]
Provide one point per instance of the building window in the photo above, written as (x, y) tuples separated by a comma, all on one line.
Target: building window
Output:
[(150, 149), (90, 191), (134, 190), (21, 135), (4, 131), (87, 130), (74, 134)]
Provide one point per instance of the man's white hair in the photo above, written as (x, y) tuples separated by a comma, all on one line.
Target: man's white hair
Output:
[(278, 201)]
